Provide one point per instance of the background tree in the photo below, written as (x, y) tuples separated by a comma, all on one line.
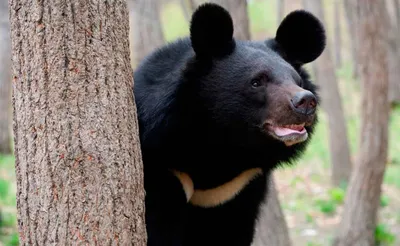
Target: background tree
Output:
[(361, 204), (280, 10), (394, 51), (5, 80), (272, 227), (332, 105), (78, 159), (338, 33), (350, 11), (238, 10), (147, 31)]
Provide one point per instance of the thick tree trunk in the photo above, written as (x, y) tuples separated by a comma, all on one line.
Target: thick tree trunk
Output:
[(238, 10), (362, 200), (332, 104), (5, 80), (147, 29), (272, 227), (338, 34), (350, 11), (78, 159)]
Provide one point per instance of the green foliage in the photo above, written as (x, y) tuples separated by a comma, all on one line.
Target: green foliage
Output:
[(8, 220), (326, 206), (309, 218), (313, 244), (383, 236), (337, 195), (4, 186), (12, 240), (392, 175), (384, 200)]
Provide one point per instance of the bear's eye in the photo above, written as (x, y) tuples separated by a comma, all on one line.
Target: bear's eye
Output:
[(255, 83)]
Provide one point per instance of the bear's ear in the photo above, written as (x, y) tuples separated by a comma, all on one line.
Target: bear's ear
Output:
[(211, 31), (301, 36)]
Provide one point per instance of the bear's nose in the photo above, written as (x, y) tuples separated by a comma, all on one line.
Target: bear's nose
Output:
[(304, 102)]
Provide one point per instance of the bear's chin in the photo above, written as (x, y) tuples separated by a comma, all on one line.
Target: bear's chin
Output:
[(288, 134)]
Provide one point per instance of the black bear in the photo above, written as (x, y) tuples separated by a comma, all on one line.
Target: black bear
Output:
[(216, 116)]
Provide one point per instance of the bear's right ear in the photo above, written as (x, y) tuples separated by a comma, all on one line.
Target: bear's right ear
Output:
[(211, 31)]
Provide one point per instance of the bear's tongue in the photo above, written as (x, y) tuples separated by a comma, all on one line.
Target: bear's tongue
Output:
[(290, 129)]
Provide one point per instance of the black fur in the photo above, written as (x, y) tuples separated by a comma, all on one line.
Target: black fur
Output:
[(199, 113)]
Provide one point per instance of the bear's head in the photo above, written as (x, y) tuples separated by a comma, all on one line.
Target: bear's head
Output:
[(256, 91)]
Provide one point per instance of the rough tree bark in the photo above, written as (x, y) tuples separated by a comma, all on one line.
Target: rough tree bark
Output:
[(272, 228), (338, 34), (350, 11), (78, 159), (5, 80), (238, 10), (363, 195), (147, 29), (332, 105)]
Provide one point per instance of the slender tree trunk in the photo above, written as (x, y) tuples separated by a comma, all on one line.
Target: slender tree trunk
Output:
[(396, 7), (5, 81), (350, 11), (272, 228), (332, 104), (238, 10), (362, 200), (147, 29), (280, 8), (394, 52), (188, 6), (338, 34), (78, 159)]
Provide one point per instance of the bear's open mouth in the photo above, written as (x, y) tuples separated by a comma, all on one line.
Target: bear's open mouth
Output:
[(289, 134)]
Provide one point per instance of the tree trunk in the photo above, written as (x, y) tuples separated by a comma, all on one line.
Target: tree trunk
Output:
[(338, 34), (350, 11), (188, 6), (280, 8), (238, 10), (5, 81), (394, 53), (363, 195), (78, 159), (272, 228), (147, 29), (332, 104)]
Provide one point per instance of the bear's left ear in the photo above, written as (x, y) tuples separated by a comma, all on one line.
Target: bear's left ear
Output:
[(211, 31), (301, 36)]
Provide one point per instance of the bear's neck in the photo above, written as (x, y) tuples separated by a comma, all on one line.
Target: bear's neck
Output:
[(213, 165)]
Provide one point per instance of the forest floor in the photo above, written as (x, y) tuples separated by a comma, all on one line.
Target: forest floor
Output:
[(311, 205)]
